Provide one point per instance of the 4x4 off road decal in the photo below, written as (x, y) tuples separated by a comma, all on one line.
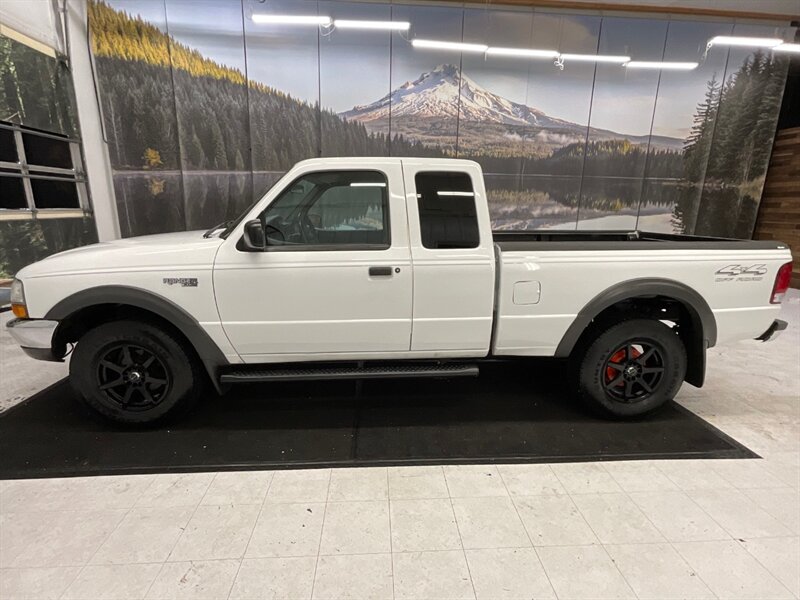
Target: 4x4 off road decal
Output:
[(181, 281), (741, 273)]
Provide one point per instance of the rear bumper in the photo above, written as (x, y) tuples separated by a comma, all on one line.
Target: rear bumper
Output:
[(35, 337), (773, 331)]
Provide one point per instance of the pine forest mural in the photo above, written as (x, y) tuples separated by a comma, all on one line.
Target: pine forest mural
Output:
[(204, 109)]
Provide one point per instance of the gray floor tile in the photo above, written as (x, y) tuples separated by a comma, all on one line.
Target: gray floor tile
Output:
[(428, 575), (508, 573), (583, 572), (286, 529), (356, 528), (275, 578), (730, 571), (367, 576), (195, 580)]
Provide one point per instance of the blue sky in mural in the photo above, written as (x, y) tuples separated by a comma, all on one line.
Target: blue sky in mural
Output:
[(355, 63)]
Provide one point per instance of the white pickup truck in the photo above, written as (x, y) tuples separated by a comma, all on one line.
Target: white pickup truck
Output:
[(388, 267)]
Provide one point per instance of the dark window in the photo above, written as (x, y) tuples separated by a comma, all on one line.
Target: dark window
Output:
[(47, 178), (46, 151), (53, 193), (447, 214), (331, 208), (8, 146), (12, 193)]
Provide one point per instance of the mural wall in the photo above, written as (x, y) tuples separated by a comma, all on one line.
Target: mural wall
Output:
[(205, 108)]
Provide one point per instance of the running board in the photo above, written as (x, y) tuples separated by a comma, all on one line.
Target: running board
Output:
[(365, 372)]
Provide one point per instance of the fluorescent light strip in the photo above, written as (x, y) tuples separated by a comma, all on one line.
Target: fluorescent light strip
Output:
[(437, 45), (470, 194), (388, 25), (732, 40), (675, 66), (787, 47), (264, 19), (368, 184), (522, 52), (601, 58)]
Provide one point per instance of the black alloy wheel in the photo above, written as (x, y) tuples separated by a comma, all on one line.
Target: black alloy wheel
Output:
[(136, 372), (629, 368), (634, 371), (132, 377)]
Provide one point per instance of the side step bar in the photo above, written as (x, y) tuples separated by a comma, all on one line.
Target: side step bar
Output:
[(350, 372)]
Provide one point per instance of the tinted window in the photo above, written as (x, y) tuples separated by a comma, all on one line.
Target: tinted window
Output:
[(46, 151), (340, 208), (8, 147), (12, 193), (447, 214), (55, 193)]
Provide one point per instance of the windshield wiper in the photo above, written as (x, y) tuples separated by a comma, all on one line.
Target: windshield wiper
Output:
[(223, 225)]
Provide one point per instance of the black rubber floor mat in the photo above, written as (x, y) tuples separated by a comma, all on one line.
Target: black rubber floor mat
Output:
[(511, 413)]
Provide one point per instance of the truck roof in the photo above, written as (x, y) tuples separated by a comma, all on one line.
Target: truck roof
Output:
[(383, 160)]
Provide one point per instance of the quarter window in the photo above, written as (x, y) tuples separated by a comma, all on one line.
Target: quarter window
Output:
[(349, 209), (447, 214)]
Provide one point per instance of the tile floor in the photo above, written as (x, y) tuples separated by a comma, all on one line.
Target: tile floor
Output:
[(643, 529)]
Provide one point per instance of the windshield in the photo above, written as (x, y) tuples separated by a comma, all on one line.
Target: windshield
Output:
[(231, 225)]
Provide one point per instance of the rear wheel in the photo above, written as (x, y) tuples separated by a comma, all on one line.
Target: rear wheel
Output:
[(134, 372), (631, 368)]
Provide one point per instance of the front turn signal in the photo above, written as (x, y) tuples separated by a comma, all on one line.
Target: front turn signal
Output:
[(20, 311), (18, 305)]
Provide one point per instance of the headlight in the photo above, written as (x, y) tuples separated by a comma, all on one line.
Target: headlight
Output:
[(18, 306)]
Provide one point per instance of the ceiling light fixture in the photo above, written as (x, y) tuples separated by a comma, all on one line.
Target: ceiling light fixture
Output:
[(732, 40), (787, 47), (469, 194), (387, 25), (675, 66), (264, 19), (437, 45), (522, 52), (600, 58)]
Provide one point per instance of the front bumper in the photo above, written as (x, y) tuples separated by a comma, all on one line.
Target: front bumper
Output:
[(773, 331), (35, 337)]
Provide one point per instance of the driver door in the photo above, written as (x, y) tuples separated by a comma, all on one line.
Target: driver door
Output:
[(334, 281)]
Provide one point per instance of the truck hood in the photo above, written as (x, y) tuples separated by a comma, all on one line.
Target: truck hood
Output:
[(167, 250)]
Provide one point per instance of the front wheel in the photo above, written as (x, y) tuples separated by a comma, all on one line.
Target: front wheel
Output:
[(134, 372), (631, 368)]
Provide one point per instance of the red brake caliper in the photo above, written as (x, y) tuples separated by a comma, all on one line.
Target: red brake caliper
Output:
[(617, 358)]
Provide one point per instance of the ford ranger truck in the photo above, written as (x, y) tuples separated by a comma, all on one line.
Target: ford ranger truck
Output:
[(388, 267)]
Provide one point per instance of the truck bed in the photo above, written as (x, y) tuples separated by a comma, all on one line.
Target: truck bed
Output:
[(510, 241), (547, 279)]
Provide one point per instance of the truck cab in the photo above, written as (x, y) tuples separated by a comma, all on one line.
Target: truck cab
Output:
[(351, 263)]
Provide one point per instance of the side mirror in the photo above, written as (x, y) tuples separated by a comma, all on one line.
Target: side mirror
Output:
[(254, 237)]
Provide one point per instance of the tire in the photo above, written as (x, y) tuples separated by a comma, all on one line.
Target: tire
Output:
[(631, 368), (134, 372)]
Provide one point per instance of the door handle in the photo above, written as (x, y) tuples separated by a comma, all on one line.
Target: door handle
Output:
[(380, 271)]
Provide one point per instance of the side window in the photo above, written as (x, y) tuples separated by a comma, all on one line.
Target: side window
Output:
[(447, 214), (331, 208)]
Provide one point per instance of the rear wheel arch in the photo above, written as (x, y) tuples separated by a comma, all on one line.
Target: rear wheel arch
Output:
[(86, 309), (660, 299)]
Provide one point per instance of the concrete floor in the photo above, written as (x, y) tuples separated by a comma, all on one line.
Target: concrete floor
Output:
[(20, 375), (640, 529)]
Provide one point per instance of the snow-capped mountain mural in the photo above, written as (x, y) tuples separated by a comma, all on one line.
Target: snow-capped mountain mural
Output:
[(431, 95), (418, 107)]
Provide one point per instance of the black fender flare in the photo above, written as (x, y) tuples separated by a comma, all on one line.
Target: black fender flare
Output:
[(703, 319), (208, 351)]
